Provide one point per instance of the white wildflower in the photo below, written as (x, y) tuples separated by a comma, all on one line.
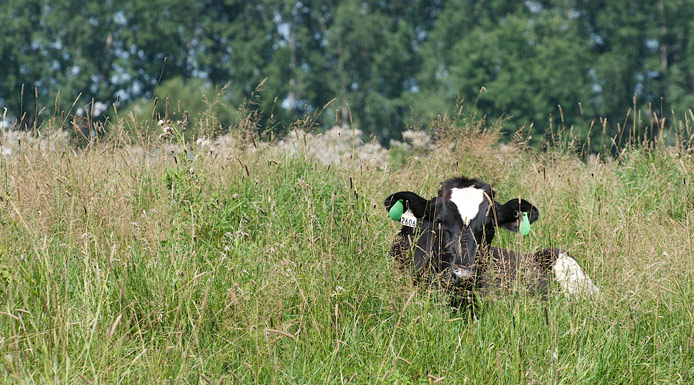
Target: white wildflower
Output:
[(418, 139), (166, 128), (14, 140)]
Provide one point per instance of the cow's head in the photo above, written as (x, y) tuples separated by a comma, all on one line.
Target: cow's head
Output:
[(456, 223)]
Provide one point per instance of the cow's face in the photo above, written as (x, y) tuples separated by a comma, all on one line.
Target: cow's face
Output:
[(460, 221), (454, 225)]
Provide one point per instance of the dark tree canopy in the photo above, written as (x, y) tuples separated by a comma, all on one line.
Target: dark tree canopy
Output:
[(386, 62)]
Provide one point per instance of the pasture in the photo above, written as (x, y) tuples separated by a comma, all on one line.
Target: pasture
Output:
[(126, 262)]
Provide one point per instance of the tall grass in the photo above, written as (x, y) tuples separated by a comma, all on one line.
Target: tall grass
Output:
[(148, 262)]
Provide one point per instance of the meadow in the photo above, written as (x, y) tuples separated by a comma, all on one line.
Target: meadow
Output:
[(231, 260)]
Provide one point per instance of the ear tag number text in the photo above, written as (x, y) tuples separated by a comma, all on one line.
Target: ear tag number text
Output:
[(408, 219)]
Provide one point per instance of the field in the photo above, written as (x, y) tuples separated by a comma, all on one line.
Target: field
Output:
[(150, 261)]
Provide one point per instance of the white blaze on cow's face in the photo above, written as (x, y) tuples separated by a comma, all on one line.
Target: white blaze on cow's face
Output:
[(468, 201)]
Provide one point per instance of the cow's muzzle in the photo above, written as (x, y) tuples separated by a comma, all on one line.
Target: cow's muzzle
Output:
[(463, 276)]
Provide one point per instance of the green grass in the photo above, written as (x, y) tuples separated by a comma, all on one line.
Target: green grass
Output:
[(258, 267)]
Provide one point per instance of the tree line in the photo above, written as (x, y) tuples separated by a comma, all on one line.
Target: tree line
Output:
[(385, 65)]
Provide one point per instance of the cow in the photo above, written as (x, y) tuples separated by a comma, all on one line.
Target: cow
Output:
[(448, 243)]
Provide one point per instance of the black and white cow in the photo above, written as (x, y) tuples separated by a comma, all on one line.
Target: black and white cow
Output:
[(450, 245)]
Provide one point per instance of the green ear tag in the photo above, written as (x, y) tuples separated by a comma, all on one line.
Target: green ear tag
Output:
[(395, 212), (525, 225)]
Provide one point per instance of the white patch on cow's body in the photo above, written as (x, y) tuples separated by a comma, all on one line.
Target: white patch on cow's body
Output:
[(468, 201), (572, 277)]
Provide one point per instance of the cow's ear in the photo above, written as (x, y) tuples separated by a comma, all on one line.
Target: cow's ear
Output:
[(509, 214), (410, 200)]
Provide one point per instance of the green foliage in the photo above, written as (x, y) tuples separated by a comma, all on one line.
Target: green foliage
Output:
[(519, 69), (265, 266), (205, 105), (384, 65), (640, 175)]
